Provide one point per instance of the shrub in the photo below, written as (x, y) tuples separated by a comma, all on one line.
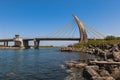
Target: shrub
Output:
[(110, 38)]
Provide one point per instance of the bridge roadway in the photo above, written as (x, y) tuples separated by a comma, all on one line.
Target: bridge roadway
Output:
[(31, 39), (45, 39), (24, 42)]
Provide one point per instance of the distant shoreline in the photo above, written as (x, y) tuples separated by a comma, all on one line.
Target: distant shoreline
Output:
[(31, 47)]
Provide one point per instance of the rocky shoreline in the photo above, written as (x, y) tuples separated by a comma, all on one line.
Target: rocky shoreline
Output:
[(106, 65)]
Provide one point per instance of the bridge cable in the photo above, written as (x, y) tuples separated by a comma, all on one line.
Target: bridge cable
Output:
[(64, 32), (94, 31), (59, 30), (68, 34)]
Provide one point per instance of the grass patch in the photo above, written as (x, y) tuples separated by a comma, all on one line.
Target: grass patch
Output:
[(95, 42)]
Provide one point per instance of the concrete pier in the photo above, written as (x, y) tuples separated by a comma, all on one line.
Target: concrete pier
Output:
[(36, 43), (26, 44), (6, 44), (18, 42)]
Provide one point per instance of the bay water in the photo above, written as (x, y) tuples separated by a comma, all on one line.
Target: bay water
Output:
[(35, 64)]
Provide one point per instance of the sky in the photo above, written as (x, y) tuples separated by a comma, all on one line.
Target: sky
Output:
[(35, 18)]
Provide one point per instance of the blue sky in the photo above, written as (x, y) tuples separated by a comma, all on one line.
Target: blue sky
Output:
[(34, 18)]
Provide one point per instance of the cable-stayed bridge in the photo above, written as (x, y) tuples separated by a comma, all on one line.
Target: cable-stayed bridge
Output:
[(73, 31)]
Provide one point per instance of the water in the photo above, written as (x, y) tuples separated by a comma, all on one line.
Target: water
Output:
[(35, 64)]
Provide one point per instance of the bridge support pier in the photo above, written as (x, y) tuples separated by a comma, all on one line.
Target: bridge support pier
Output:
[(18, 42), (82, 31), (6, 44), (36, 43), (26, 44)]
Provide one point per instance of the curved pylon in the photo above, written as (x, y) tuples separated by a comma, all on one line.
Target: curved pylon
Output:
[(82, 31)]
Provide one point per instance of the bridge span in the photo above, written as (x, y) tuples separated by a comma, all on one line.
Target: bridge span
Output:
[(57, 39), (24, 42), (19, 42)]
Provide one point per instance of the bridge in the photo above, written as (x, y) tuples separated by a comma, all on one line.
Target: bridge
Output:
[(83, 36)]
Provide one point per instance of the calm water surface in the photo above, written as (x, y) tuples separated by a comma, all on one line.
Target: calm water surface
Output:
[(35, 64)]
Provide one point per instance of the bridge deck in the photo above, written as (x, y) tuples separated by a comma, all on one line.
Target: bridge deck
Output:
[(30, 39), (3, 40), (45, 39), (61, 39)]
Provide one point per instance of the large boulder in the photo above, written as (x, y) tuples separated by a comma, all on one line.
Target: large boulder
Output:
[(116, 56)]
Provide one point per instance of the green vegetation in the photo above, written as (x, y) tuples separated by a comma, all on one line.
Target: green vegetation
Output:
[(90, 42), (48, 46), (108, 40), (112, 38)]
